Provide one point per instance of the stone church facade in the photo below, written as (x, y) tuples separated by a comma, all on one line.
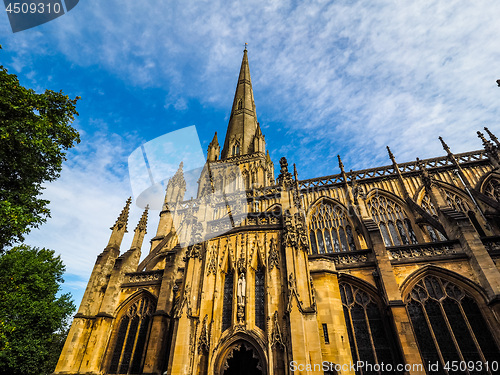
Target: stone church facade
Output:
[(396, 266)]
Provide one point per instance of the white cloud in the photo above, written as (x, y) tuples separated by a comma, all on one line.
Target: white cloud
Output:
[(86, 200)]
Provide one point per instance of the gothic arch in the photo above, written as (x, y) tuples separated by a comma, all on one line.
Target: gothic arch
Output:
[(249, 340), (427, 227), (330, 227), (485, 182), (274, 207), (377, 191), (127, 346), (450, 318), (431, 270), (371, 335), (360, 283), (459, 200), (485, 179), (393, 217)]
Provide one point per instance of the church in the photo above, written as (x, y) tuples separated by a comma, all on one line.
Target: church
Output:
[(387, 270)]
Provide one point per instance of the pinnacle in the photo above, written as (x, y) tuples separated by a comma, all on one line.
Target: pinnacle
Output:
[(445, 146), (123, 218), (143, 222)]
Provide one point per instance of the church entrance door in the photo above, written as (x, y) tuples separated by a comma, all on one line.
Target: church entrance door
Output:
[(242, 361)]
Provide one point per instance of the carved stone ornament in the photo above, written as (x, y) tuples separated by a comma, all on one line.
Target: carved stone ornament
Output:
[(357, 190), (285, 177), (427, 179), (184, 302), (276, 338), (292, 293), (313, 293), (212, 263), (274, 256), (303, 240), (204, 340), (289, 233)]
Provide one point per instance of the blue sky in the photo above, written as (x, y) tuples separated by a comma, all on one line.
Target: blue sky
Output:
[(329, 77)]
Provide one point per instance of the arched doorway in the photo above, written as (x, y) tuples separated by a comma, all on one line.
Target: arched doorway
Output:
[(242, 359)]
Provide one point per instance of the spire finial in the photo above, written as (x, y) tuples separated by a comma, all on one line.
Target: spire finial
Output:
[(445, 146), (481, 135), (246, 45), (341, 165), (492, 136), (143, 222), (390, 154), (123, 218), (488, 146)]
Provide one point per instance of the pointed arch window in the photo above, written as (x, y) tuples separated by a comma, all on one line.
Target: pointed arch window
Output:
[(456, 202), (236, 149), (227, 303), (394, 226), (260, 298), (492, 189), (369, 334), (130, 343), (434, 234), (460, 204), (330, 230), (428, 206), (449, 325)]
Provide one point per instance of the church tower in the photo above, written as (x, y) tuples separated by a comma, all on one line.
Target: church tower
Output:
[(244, 145), (387, 270)]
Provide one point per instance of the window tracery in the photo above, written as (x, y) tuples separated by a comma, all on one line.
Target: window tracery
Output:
[(492, 189), (330, 230), (227, 302), (260, 298), (130, 344), (448, 324), (456, 202), (369, 337), (428, 206), (394, 226)]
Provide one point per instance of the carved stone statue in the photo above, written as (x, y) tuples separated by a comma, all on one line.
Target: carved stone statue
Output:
[(240, 292)]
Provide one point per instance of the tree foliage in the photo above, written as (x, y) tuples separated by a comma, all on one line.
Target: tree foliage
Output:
[(35, 133), (32, 317)]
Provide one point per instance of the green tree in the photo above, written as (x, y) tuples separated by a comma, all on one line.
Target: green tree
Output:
[(35, 133), (33, 319)]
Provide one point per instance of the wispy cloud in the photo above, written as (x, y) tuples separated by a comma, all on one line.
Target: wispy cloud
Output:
[(86, 200)]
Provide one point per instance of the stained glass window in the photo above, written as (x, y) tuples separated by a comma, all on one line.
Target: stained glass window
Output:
[(227, 303), (130, 343), (330, 230), (449, 325), (394, 226), (369, 335), (260, 298)]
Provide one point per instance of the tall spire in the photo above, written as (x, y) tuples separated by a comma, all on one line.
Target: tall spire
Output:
[(243, 120), (120, 227)]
